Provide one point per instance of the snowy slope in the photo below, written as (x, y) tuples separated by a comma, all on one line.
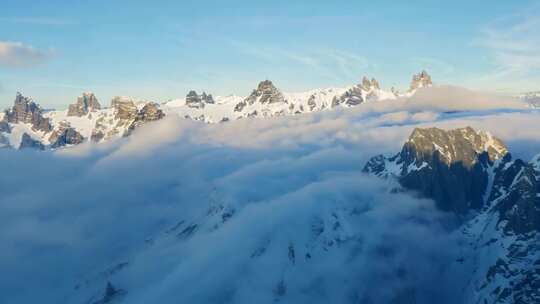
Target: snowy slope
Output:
[(86, 120)]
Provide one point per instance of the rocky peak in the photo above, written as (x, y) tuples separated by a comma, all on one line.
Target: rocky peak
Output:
[(354, 96), (369, 85), (420, 80), (451, 167), (27, 142), (85, 103), (460, 145), (266, 93), (125, 108), (25, 110), (65, 135), (150, 112), (194, 100)]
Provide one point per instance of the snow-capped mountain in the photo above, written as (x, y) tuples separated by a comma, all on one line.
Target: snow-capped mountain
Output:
[(472, 174), (268, 101), (26, 124)]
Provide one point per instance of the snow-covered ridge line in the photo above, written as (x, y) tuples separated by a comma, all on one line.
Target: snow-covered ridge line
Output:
[(26, 124)]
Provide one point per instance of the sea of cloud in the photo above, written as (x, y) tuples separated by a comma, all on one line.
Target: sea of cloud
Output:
[(250, 211)]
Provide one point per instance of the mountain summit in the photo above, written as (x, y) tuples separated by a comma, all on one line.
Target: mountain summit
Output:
[(448, 166), (470, 173), (420, 80)]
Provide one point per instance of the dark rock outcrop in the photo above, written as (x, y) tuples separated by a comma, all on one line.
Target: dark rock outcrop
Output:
[(193, 100), (27, 142), (85, 104), (111, 295), (473, 174), (447, 166), (266, 93), (64, 136), (4, 126), (352, 97), (26, 111)]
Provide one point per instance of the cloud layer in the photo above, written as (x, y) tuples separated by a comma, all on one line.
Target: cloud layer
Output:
[(241, 212), (17, 54)]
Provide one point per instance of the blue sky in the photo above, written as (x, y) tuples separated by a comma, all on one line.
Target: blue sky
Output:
[(53, 50)]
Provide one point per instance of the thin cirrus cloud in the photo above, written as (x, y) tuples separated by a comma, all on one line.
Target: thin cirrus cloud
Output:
[(333, 63), (18, 54), (36, 21), (514, 47)]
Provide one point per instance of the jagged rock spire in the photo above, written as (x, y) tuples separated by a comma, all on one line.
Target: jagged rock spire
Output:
[(25, 110), (194, 100), (85, 103), (420, 80)]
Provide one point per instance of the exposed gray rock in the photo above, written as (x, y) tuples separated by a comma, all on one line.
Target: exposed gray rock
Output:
[(125, 108), (311, 102), (150, 112), (25, 110), (85, 104), (498, 195), (28, 142), (4, 126), (352, 97), (193, 100), (64, 136), (240, 106), (420, 80), (266, 93), (447, 166)]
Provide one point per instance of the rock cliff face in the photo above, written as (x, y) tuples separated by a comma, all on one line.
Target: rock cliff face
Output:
[(150, 112), (194, 100), (266, 93), (26, 111), (125, 108), (367, 90), (65, 136), (85, 104), (28, 142), (448, 166), (472, 174)]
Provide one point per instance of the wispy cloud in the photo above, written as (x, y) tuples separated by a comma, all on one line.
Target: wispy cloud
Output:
[(514, 46), (17, 54), (332, 63), (36, 21), (435, 65)]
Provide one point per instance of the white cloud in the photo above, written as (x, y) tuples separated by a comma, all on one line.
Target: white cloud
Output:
[(67, 217), (17, 54)]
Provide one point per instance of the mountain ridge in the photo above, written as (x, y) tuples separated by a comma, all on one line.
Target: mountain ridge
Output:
[(497, 198), (87, 120)]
